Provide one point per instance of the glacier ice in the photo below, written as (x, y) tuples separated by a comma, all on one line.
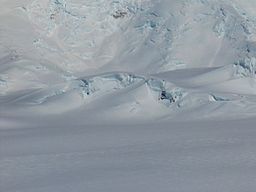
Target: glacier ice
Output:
[(246, 67), (105, 83)]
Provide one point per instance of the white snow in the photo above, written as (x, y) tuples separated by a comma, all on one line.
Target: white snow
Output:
[(127, 95)]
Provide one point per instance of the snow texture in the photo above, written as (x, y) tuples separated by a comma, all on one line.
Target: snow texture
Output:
[(127, 95)]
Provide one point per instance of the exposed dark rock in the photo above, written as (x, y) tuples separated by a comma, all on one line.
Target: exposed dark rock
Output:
[(119, 14)]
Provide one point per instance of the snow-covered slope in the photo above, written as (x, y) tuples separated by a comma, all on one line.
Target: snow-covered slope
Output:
[(127, 95), (60, 57)]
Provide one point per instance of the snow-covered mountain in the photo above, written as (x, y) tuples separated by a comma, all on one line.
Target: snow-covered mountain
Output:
[(148, 59), (127, 95)]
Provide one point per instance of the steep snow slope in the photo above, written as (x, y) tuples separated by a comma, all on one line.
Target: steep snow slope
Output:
[(160, 35), (51, 48), (60, 56)]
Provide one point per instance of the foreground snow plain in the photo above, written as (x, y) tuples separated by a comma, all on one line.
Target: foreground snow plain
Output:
[(128, 95), (177, 156)]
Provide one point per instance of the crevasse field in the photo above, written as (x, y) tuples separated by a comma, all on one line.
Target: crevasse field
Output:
[(127, 95)]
